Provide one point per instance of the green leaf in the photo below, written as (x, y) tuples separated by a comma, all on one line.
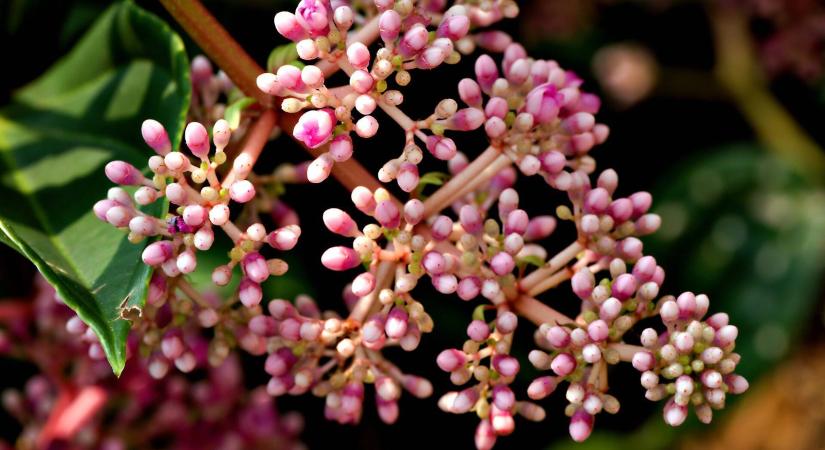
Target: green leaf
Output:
[(281, 55), (55, 139), (232, 114), (429, 179)]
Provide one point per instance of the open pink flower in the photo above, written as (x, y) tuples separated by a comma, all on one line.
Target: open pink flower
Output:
[(314, 128)]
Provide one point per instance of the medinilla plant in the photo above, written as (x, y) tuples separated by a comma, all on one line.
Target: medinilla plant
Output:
[(180, 141)]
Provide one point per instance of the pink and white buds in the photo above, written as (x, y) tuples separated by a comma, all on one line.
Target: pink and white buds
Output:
[(486, 72), (581, 425), (314, 127), (470, 92), (407, 177), (413, 41), (340, 258), (320, 168), (339, 222), (197, 139), (454, 27), (155, 136), (387, 214), (255, 267), (123, 173), (250, 293), (563, 364), (396, 324), (451, 359), (157, 252), (340, 148), (358, 55), (289, 27), (441, 147), (242, 191), (389, 25)]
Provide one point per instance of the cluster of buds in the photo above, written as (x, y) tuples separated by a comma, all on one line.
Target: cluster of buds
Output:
[(470, 238), (320, 32), (491, 398), (694, 356), (334, 357), (197, 211), (77, 389)]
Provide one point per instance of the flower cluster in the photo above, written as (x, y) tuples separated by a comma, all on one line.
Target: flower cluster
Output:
[(469, 238), (77, 389)]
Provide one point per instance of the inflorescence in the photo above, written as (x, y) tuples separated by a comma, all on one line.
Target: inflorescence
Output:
[(469, 238)]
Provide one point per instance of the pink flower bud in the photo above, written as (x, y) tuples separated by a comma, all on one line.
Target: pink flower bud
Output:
[(610, 309), (340, 148), (288, 26), (563, 364), (255, 268), (102, 207), (596, 201), (157, 252), (541, 103), (413, 41), (413, 211), (284, 238), (187, 262), (485, 435), (340, 222), (486, 72), (396, 325), (506, 322), (407, 177), (583, 283), (470, 219), (470, 92), (598, 330), (361, 81), (340, 258), (445, 283), (268, 83), (581, 425), (197, 139), (467, 119), (541, 387), (250, 293), (517, 221), (242, 191), (222, 275), (194, 215), (363, 199), (441, 147), (641, 203), (358, 55), (123, 173), (502, 263), (366, 127), (674, 414), (643, 361), (454, 27), (468, 288), (497, 107), (644, 268), (314, 127), (387, 214), (389, 25), (313, 15), (155, 136), (320, 168), (451, 359), (506, 365)]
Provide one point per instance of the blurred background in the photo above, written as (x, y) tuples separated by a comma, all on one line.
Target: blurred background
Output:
[(717, 107)]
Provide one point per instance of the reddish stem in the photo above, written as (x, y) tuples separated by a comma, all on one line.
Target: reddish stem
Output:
[(216, 42)]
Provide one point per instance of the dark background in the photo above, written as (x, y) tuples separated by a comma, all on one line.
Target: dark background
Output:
[(651, 143)]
